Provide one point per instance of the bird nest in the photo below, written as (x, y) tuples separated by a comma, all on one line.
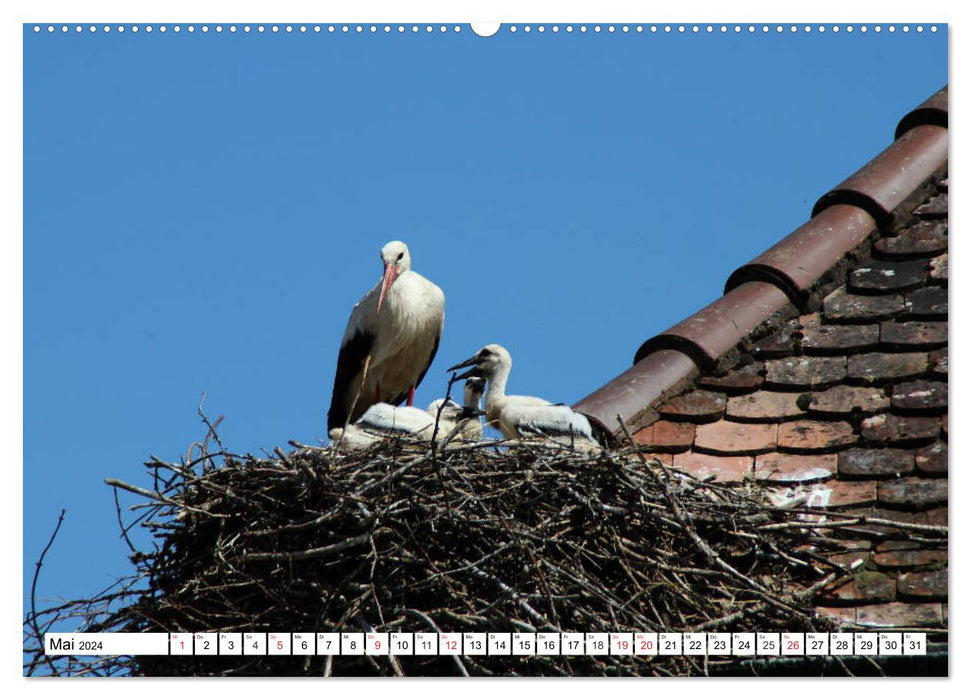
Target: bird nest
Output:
[(470, 538)]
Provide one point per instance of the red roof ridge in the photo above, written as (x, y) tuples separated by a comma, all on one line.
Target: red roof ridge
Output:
[(788, 278)]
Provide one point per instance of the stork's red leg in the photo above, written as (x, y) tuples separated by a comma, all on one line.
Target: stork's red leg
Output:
[(411, 396)]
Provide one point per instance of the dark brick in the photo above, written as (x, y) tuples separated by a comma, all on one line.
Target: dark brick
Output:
[(938, 268), (844, 400), (737, 381), (923, 584), (840, 306), (779, 344), (932, 460), (928, 303), (828, 339), (877, 367), (914, 334), (875, 464), (815, 436), (900, 615), (913, 493), (729, 438), (724, 468), (696, 406), (865, 587), (880, 277), (938, 362), (805, 372), (794, 469), (924, 238), (900, 430), (667, 436), (920, 396), (936, 208), (764, 406), (901, 554)]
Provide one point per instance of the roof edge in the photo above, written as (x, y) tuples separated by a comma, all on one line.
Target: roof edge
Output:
[(933, 112)]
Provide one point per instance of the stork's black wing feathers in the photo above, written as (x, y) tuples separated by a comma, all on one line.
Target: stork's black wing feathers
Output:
[(350, 362)]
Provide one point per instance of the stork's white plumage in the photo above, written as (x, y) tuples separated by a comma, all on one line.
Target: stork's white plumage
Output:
[(390, 341), (523, 416), (467, 414), (383, 420)]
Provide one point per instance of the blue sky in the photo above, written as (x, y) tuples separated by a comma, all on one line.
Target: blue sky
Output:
[(201, 212)]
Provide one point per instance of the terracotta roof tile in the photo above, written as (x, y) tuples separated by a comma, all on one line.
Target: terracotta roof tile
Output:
[(923, 584), (765, 406), (697, 406), (906, 555), (884, 277), (842, 306), (844, 400), (842, 616), (818, 338), (869, 463), (938, 362), (936, 207), (900, 615), (914, 334), (729, 438), (879, 367), (805, 372), (667, 436), (900, 430), (843, 494), (912, 493), (934, 516), (927, 303), (815, 436), (866, 587), (920, 240), (920, 395), (725, 468), (938, 268), (932, 460), (741, 380), (788, 468)]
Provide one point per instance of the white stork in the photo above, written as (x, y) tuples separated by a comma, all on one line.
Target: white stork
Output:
[(467, 414), (383, 420), (390, 340), (523, 416)]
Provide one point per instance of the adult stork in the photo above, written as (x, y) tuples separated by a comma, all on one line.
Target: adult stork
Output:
[(523, 416), (390, 341)]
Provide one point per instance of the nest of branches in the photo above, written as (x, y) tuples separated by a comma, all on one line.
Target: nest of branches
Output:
[(469, 538)]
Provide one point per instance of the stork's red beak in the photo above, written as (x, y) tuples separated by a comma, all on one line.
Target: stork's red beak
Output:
[(390, 274)]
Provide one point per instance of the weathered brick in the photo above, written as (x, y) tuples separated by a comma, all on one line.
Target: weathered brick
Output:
[(902, 554), (667, 436), (913, 493), (927, 304), (764, 406), (879, 522), (779, 344), (805, 372), (934, 516), (839, 338), (932, 459), (843, 494), (875, 464), (725, 469), (738, 381), (842, 616), (920, 396), (914, 334), (882, 366), (696, 406), (815, 436), (924, 238), (938, 268), (890, 276), (730, 438), (923, 584), (785, 468), (865, 587), (843, 400), (899, 430), (935, 208), (900, 615), (853, 551), (842, 306)]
